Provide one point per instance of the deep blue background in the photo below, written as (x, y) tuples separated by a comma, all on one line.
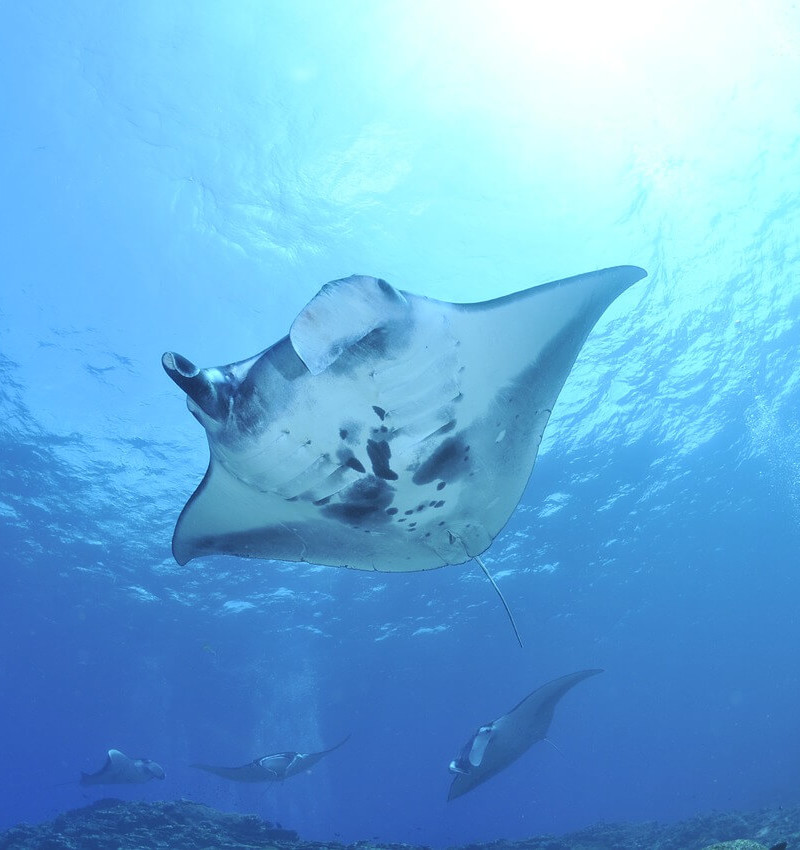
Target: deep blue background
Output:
[(184, 177)]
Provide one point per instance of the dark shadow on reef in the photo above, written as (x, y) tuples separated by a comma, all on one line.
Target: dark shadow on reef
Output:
[(191, 826)]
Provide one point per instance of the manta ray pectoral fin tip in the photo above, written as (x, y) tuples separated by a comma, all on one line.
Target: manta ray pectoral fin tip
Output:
[(639, 271), (626, 276), (180, 553)]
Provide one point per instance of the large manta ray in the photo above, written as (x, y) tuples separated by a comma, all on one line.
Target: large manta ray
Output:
[(387, 431)]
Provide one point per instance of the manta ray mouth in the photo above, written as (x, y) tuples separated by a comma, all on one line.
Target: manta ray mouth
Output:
[(210, 395), (178, 364)]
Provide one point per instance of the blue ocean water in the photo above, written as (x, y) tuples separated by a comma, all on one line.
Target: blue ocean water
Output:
[(185, 176)]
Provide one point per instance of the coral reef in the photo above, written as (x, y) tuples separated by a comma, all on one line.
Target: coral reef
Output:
[(191, 826), (129, 826)]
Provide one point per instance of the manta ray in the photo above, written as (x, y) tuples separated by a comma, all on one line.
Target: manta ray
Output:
[(273, 768), (386, 431), (499, 743), (119, 769)]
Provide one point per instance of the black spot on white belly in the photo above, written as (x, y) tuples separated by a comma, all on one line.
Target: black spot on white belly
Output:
[(350, 432), (355, 463), (379, 455), (363, 502), (347, 458), (448, 462)]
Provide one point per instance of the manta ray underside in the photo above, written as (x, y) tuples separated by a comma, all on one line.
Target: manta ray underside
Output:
[(387, 431)]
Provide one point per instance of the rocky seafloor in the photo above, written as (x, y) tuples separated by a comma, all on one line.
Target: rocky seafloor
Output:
[(181, 825)]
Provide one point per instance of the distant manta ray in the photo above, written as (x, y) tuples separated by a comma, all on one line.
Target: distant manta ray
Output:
[(499, 743), (387, 431), (273, 768), (121, 770)]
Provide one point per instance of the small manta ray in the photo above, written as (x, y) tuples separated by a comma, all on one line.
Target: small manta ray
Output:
[(273, 768), (387, 431), (496, 745), (121, 770)]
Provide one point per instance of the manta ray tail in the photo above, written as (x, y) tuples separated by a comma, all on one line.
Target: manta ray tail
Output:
[(554, 746), (336, 746), (502, 598)]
